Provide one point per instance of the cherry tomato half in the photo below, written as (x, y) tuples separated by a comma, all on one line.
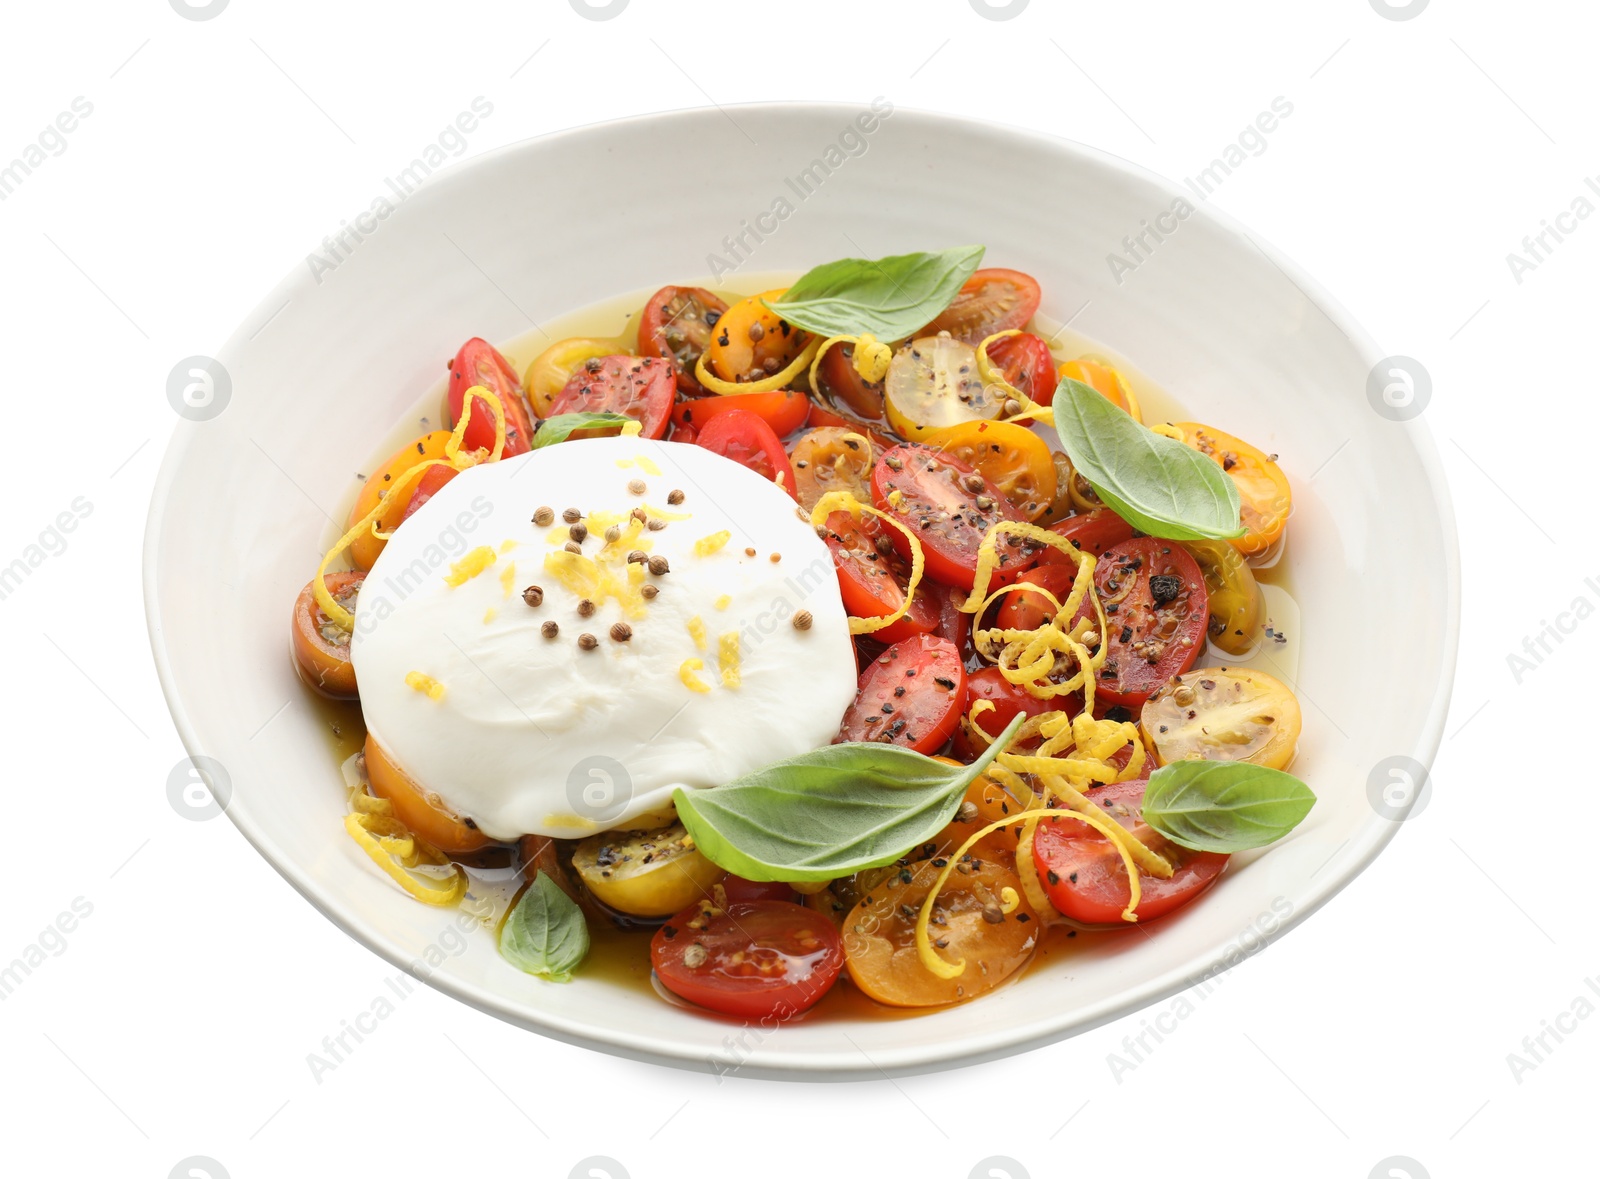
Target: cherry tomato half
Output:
[(912, 695), (1027, 365), (1008, 699), (1104, 380), (1012, 457), (1090, 532), (365, 548), (754, 959), (1022, 610), (1264, 498), (641, 387), (992, 300), (321, 649), (748, 440), (873, 577), (841, 384), (949, 507), (423, 812), (1156, 617), (783, 409), (480, 363), (831, 458), (676, 326), (751, 343), (1085, 878)]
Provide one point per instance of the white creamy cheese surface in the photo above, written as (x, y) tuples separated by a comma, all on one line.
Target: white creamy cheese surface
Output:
[(524, 733)]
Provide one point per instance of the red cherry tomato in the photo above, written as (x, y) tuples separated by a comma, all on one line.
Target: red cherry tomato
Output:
[(1085, 878), (1009, 700), (783, 409), (949, 507), (992, 300), (1156, 616), (737, 888), (912, 695), (676, 327), (842, 385), (427, 487), (641, 387), (954, 624), (748, 440), (1091, 532), (872, 582), (754, 959), (1027, 365), (1022, 610), (479, 363)]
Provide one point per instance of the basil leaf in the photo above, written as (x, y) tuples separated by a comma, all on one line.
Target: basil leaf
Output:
[(1157, 484), (560, 427), (891, 298), (1224, 806), (828, 813), (545, 934)]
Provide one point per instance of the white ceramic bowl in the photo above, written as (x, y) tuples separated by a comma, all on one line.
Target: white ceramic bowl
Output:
[(1235, 332)]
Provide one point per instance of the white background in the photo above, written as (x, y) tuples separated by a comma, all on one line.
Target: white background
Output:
[(177, 1020)]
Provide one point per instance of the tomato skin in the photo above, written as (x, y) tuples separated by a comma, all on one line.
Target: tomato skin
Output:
[(1022, 610), (872, 583), (840, 383), (736, 889), (1012, 457), (924, 713), (480, 363), (992, 300), (676, 327), (365, 548), (427, 487), (323, 664), (1027, 365), (939, 504), (426, 819), (1133, 617), (789, 957), (1091, 532), (643, 388), (1085, 878), (748, 440), (1009, 701), (784, 410)]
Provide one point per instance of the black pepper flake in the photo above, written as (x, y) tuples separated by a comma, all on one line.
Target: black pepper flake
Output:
[(1164, 587)]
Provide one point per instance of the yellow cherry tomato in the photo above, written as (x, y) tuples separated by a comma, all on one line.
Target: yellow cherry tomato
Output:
[(1238, 611), (933, 383), (645, 873), (1223, 714)]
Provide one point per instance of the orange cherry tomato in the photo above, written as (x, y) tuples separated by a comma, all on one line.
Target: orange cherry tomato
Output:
[(365, 548), (1012, 457), (321, 649), (1264, 498), (831, 458), (423, 812), (750, 343), (1104, 380)]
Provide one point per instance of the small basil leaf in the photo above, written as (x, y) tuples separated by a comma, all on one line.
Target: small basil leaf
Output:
[(1157, 484), (828, 813), (545, 933), (561, 427), (1224, 806), (891, 297)]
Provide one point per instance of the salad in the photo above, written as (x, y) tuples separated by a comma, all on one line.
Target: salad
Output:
[(842, 634)]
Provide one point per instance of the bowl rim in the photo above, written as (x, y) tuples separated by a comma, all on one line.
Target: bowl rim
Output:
[(918, 1057)]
